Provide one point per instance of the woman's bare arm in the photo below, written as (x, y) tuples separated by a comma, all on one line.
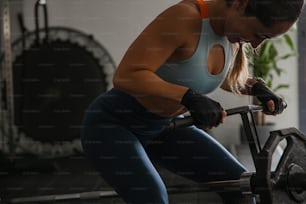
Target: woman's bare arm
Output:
[(157, 43)]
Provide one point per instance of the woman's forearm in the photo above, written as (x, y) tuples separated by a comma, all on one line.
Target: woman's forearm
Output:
[(143, 83)]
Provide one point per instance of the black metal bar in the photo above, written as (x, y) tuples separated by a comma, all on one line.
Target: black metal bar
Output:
[(22, 29), (46, 26), (244, 109), (221, 186), (250, 138), (181, 122), (65, 197), (187, 121), (36, 22), (216, 186), (255, 133)]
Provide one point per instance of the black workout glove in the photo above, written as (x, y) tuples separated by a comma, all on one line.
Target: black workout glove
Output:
[(264, 94), (205, 112)]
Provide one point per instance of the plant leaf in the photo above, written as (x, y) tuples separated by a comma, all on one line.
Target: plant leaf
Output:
[(281, 86), (264, 62), (289, 41)]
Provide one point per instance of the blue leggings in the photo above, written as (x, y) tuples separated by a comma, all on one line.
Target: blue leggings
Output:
[(121, 138)]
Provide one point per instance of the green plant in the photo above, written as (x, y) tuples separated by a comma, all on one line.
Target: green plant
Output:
[(264, 63)]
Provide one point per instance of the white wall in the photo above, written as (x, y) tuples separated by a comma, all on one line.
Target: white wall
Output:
[(290, 115), (116, 23)]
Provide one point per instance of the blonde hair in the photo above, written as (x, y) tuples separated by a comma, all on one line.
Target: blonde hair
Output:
[(238, 73)]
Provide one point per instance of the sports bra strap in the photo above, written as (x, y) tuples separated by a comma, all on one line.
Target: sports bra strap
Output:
[(203, 8)]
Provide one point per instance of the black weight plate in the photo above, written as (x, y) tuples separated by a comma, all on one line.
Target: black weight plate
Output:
[(53, 85), (294, 155)]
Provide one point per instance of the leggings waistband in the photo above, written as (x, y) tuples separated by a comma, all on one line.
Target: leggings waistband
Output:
[(124, 101), (117, 107)]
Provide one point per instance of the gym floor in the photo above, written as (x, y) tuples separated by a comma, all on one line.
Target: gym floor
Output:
[(28, 176)]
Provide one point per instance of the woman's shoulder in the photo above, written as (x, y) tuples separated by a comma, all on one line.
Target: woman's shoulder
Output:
[(184, 15), (186, 8)]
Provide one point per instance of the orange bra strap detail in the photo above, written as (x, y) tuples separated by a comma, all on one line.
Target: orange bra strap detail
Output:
[(203, 8)]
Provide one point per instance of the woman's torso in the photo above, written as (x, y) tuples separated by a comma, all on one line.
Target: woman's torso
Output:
[(187, 54)]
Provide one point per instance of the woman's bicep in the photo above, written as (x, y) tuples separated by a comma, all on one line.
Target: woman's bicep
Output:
[(153, 47), (159, 40)]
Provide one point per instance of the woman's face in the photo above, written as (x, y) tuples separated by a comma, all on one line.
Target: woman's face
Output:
[(241, 28)]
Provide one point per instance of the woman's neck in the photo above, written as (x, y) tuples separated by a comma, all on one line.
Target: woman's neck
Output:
[(217, 13)]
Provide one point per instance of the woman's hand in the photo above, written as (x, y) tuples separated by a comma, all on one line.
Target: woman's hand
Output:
[(272, 103), (205, 112), (222, 120)]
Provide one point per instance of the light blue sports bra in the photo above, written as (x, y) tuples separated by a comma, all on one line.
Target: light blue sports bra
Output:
[(193, 72)]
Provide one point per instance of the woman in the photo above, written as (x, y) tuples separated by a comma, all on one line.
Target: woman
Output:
[(189, 50)]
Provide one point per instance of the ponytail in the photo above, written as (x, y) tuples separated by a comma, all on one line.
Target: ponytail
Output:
[(239, 72)]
